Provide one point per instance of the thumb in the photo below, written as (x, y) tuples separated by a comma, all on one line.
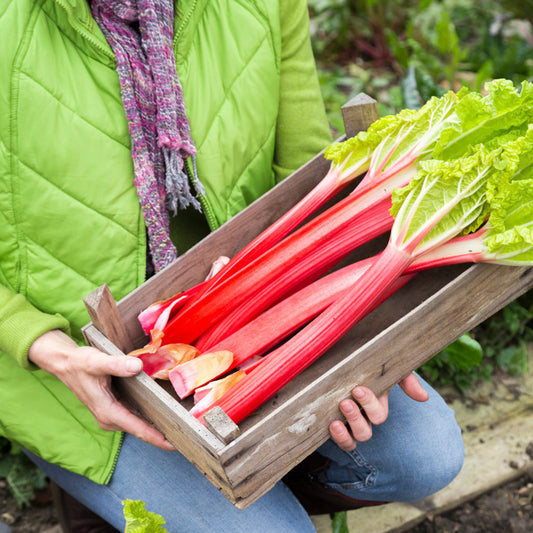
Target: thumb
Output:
[(116, 365), (413, 388), (126, 365)]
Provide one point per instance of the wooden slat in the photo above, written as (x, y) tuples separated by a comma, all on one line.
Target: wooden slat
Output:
[(359, 113), (221, 425), (296, 427), (158, 407), (106, 317)]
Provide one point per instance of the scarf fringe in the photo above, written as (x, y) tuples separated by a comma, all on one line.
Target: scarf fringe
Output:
[(177, 183)]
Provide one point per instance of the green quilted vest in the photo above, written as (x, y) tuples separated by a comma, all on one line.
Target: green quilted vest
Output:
[(69, 214)]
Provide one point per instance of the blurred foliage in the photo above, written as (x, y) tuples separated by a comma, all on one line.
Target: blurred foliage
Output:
[(23, 478), (339, 522), (402, 52)]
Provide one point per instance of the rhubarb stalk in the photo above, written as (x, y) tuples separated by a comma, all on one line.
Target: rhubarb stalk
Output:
[(444, 199), (409, 136)]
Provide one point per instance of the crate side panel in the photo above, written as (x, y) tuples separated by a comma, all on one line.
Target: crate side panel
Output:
[(294, 429), (159, 408)]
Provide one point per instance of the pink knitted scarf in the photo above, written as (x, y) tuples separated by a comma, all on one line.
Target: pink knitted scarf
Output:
[(140, 32)]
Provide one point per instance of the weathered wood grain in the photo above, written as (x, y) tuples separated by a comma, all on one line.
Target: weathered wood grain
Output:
[(105, 315), (221, 425), (161, 409), (359, 113)]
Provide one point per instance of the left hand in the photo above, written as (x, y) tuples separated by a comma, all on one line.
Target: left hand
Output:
[(366, 410)]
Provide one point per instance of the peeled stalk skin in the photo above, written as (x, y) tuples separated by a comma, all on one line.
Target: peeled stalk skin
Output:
[(287, 361), (150, 316), (371, 224)]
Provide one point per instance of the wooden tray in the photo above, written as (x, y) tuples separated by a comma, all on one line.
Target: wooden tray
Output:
[(245, 461)]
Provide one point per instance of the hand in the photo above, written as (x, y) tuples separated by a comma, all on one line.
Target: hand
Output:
[(87, 373), (368, 410)]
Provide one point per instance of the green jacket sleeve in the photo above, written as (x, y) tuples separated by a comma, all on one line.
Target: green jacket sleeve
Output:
[(302, 129), (21, 323)]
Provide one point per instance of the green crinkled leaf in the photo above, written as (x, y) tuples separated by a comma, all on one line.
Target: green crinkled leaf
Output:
[(509, 238), (401, 133), (448, 196), (139, 520), (353, 150), (418, 130), (482, 118), (513, 246)]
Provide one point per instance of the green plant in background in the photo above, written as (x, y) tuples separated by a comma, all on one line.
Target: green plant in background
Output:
[(522, 9), (139, 520), (23, 478), (339, 522), (498, 344), (402, 52)]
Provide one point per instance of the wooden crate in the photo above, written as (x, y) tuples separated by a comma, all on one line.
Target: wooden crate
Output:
[(245, 461)]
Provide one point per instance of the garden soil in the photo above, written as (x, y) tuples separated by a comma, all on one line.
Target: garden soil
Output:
[(506, 509)]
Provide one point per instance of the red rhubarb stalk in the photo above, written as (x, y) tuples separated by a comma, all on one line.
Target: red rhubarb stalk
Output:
[(402, 140), (455, 201), (363, 229), (276, 324), (200, 314), (149, 316), (291, 358), (210, 393)]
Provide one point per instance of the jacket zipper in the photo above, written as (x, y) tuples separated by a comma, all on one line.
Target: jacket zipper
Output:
[(206, 208), (183, 23), (82, 30)]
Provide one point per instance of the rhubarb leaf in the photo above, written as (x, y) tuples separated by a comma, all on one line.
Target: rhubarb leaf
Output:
[(355, 152), (139, 520), (510, 235), (485, 117), (444, 199), (396, 141), (413, 134)]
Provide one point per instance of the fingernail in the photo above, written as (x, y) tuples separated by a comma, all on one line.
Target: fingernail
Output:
[(337, 427), (358, 394), (134, 365), (347, 407)]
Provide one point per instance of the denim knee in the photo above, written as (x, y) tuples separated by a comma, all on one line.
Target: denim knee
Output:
[(426, 469), (416, 452)]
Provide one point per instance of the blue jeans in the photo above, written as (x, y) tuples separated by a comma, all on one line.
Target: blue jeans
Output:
[(416, 452)]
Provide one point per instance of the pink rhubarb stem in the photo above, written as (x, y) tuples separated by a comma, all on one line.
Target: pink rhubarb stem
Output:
[(371, 224), (150, 316), (287, 361), (464, 249), (276, 324), (334, 181), (200, 314)]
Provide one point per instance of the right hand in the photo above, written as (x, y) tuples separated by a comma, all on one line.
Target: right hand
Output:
[(87, 372)]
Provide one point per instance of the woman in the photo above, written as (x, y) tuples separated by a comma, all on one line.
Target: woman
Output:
[(90, 168)]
